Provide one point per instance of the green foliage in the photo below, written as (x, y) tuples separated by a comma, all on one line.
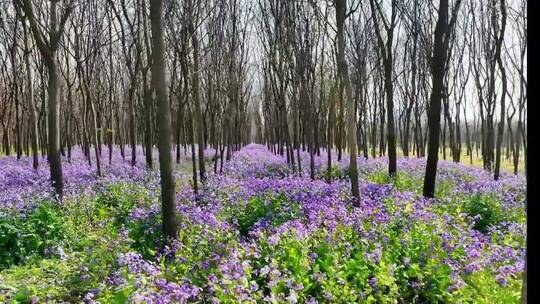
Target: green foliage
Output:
[(198, 244), (67, 279), (22, 239), (254, 210), (146, 235), (49, 278), (276, 209), (114, 204), (88, 229), (486, 208), (274, 170), (335, 173), (343, 268), (404, 181), (481, 287), (117, 200), (421, 273)]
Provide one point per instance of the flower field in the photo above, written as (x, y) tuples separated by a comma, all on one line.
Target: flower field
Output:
[(259, 233)]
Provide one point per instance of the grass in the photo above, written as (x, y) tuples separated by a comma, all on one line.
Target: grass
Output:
[(507, 165)]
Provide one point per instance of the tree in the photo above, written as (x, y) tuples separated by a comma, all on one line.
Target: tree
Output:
[(439, 67), (168, 208), (48, 48), (195, 88), (346, 94), (30, 97), (386, 51), (503, 93)]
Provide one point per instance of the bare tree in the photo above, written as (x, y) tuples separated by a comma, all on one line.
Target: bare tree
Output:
[(48, 48), (502, 108), (386, 51), (439, 67), (346, 89)]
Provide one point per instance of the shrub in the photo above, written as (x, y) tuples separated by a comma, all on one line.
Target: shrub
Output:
[(118, 200), (21, 239), (276, 209), (333, 174), (485, 209), (146, 235)]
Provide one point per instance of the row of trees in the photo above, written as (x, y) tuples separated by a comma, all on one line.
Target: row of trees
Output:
[(381, 55)]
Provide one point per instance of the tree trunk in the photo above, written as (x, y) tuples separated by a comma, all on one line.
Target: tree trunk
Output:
[(503, 93), (434, 116), (31, 104), (95, 129), (197, 102), (163, 118), (330, 135), (193, 155), (54, 132), (347, 97), (132, 124), (147, 97)]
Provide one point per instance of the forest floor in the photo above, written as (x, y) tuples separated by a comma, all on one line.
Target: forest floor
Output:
[(507, 165), (260, 233)]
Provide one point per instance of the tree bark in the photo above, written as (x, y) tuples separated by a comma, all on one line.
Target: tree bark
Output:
[(345, 84), (163, 118), (31, 103), (503, 93), (434, 116)]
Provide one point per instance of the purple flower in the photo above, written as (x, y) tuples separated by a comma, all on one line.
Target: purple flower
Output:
[(373, 283), (85, 277), (501, 280)]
